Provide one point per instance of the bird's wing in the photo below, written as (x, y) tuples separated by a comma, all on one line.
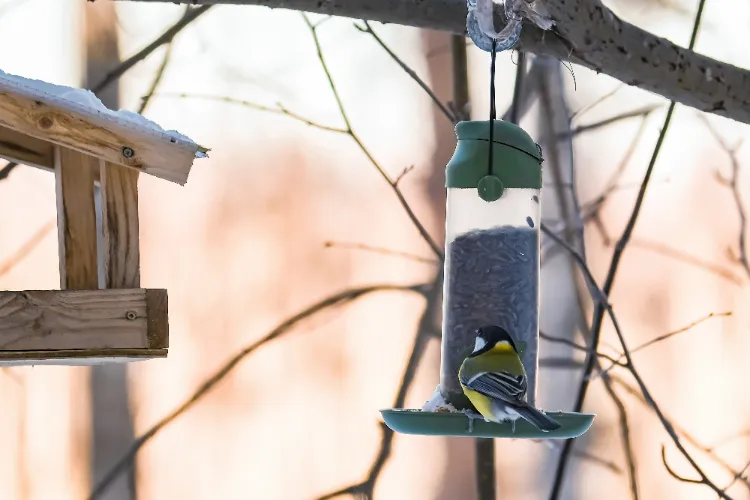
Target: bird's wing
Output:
[(500, 385)]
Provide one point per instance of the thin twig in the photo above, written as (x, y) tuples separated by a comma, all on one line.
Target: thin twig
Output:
[(672, 472), (280, 110), (627, 442), (380, 250), (582, 129), (166, 37), (413, 74), (146, 99), (607, 464), (365, 489), (708, 450), (596, 102), (666, 336), (578, 347), (728, 439), (350, 131), (593, 208), (284, 327), (686, 258), (704, 479), (738, 476), (734, 186)]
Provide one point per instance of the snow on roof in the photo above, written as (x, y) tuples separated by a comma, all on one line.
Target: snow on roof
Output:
[(85, 107)]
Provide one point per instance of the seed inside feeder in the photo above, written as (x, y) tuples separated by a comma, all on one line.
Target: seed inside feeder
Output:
[(492, 279)]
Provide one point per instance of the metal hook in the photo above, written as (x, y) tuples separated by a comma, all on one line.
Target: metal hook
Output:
[(481, 28)]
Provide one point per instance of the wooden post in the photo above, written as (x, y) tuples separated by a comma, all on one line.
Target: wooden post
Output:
[(120, 247), (76, 219), (119, 190)]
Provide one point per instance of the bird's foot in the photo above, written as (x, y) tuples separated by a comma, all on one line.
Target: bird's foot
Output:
[(472, 415)]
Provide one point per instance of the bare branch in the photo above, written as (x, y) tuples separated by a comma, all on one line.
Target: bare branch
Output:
[(607, 464), (279, 110), (588, 107), (413, 74), (662, 418), (728, 439), (383, 251), (666, 336), (166, 37), (734, 186), (593, 208), (627, 442), (673, 473), (366, 488), (738, 476), (403, 174), (146, 100), (685, 257), (586, 32), (682, 432), (350, 131), (577, 347), (582, 129), (284, 327)]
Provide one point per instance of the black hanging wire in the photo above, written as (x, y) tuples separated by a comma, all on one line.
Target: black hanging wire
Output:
[(493, 111)]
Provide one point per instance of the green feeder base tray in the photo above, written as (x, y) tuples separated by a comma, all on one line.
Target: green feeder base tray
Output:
[(428, 423)]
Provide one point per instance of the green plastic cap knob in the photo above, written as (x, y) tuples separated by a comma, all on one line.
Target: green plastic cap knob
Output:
[(516, 158)]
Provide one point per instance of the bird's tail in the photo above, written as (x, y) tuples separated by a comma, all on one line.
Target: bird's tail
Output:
[(536, 417)]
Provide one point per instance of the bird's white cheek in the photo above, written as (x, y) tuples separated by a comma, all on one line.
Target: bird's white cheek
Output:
[(479, 343)]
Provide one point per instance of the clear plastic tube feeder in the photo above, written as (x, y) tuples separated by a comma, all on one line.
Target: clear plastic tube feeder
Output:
[(491, 277)]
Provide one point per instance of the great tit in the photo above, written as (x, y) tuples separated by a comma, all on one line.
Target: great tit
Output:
[(494, 380)]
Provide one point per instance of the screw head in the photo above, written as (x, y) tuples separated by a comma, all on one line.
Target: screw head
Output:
[(128, 152), (131, 315)]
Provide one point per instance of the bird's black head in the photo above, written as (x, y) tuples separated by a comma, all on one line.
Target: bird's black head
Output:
[(489, 336)]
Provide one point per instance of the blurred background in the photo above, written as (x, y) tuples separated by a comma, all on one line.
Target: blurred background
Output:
[(281, 216)]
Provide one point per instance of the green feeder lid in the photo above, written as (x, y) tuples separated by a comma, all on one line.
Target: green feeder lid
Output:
[(429, 423), (516, 159)]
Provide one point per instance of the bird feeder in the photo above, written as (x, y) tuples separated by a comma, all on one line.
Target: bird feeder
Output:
[(491, 275), (100, 314)]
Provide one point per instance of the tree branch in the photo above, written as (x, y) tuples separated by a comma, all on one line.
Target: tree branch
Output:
[(350, 131), (586, 32), (734, 186), (413, 74), (166, 37), (284, 327), (365, 489), (708, 450)]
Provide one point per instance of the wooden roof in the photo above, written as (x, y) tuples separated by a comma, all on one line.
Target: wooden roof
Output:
[(35, 116)]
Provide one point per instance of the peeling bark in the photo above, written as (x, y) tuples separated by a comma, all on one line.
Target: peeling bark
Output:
[(586, 33)]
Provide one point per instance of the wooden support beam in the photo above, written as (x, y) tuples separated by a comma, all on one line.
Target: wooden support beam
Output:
[(76, 220), (119, 193), (20, 148), (92, 322)]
